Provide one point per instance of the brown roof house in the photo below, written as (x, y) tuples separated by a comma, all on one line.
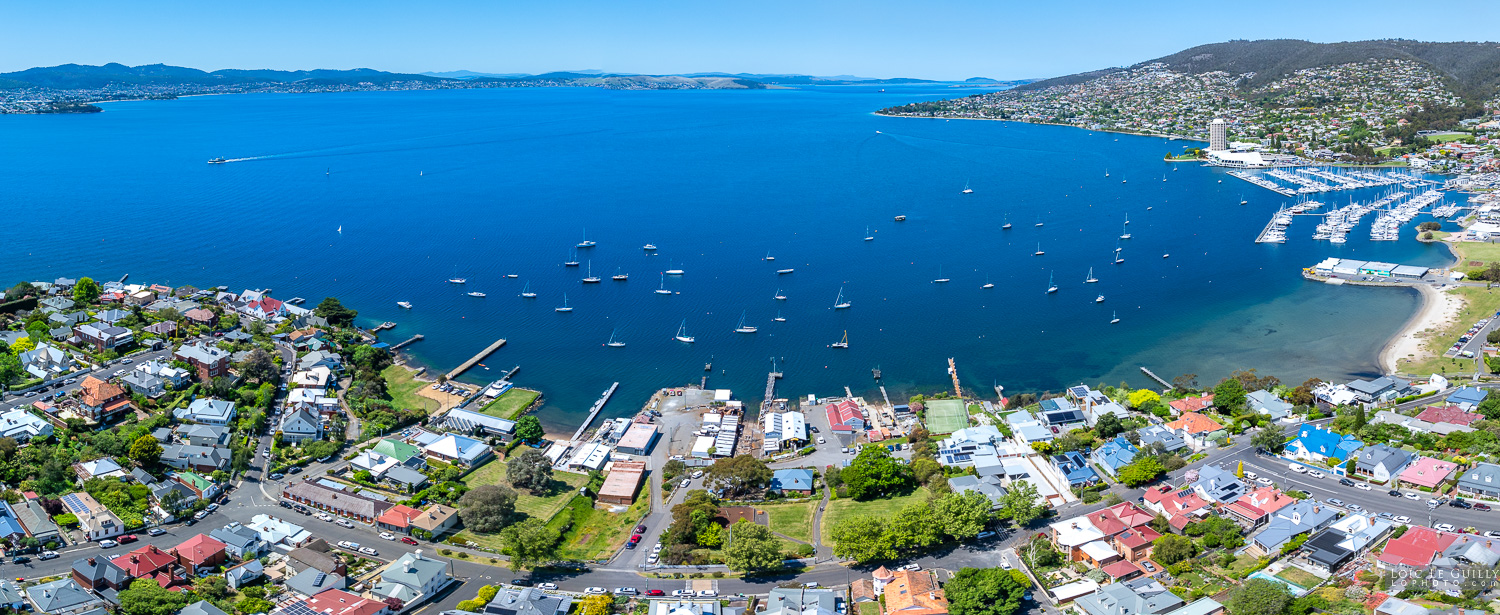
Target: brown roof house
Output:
[(622, 483), (100, 401), (316, 555), (336, 501), (914, 592), (436, 520)]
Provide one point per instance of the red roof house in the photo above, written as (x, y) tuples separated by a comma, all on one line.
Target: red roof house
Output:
[(1192, 404), (1427, 472), (1180, 507), (145, 561), (1122, 570), (399, 517), (339, 602), (845, 416), (1414, 549), (1135, 543), (1118, 518), (200, 550), (1256, 507), (1448, 414)]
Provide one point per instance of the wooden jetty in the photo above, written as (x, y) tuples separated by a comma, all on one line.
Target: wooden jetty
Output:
[(1155, 377), (415, 338), (594, 412), (887, 399), (770, 396), (510, 373), (383, 326), (476, 359), (953, 371)]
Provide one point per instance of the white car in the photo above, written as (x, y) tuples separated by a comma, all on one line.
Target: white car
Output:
[(652, 559), (1005, 564), (1402, 519), (697, 474), (626, 591), (1314, 473), (1492, 534), (821, 440), (1264, 481), (387, 536), (1443, 527), (368, 551), (1251, 475), (346, 523), (1412, 496), (595, 591), (707, 593), (1297, 467), (910, 567), (679, 593), (1362, 486), (546, 586)]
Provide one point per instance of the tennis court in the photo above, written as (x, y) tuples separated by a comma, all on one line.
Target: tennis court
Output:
[(946, 415)]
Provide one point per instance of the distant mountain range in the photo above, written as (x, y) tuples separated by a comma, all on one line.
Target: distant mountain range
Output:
[(84, 77), (1472, 69)]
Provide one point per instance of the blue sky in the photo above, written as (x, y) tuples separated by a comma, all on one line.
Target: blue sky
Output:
[(939, 39)]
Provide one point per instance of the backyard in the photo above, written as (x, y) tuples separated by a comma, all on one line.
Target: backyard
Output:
[(510, 403), (1299, 577), (791, 520), (847, 507), (402, 385)]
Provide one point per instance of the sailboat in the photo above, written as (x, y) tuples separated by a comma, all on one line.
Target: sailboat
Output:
[(1242, 199), (1127, 218), (591, 279), (778, 296), (987, 282), (673, 271), (341, 228), (455, 279), (586, 243), (682, 335), (779, 318), (1038, 220), (843, 343), (1114, 318), (663, 289), (868, 236), (839, 303), (619, 275), (1099, 299), (1118, 259), (565, 307), (742, 328), (1164, 177), (784, 271), (614, 343), (475, 294), (1124, 234), (1106, 172), (1051, 285), (526, 292), (768, 257), (1006, 226), (967, 189), (940, 279), (1039, 251), (1091, 279), (572, 260)]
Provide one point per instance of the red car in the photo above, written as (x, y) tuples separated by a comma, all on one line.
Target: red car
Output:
[(127, 538), (635, 538), (408, 540), (655, 592)]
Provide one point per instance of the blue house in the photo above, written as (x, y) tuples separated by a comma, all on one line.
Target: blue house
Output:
[(1319, 445), (1114, 454), (1075, 468), (795, 480), (1467, 397)]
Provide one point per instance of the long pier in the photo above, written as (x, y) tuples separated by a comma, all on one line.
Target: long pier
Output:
[(594, 412), (415, 338), (771, 378), (1155, 377), (476, 359), (953, 371)]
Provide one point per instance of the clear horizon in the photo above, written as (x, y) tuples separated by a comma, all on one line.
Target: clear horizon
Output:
[(944, 40)]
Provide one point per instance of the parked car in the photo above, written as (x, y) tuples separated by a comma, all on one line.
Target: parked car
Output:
[(1492, 534), (200, 515), (128, 538), (276, 476), (368, 551), (546, 586), (630, 546), (20, 559), (655, 592), (984, 535), (1297, 467), (387, 536), (108, 544), (521, 582), (156, 531), (707, 593), (1264, 481), (1363, 486), (640, 529), (697, 474), (1346, 482), (680, 593), (1336, 502), (821, 440), (1443, 527), (626, 591), (295, 470), (1413, 496), (1251, 475), (1316, 474), (1459, 503), (346, 523), (1403, 519), (1482, 506), (910, 567), (1393, 493), (46, 555)]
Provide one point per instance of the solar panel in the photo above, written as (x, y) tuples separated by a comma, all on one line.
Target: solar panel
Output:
[(318, 580)]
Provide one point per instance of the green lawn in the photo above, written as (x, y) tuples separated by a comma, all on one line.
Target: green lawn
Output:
[(1299, 576), (1471, 251), (510, 403), (594, 533), (1243, 563), (1479, 303), (847, 507), (869, 608), (792, 520), (564, 486), (402, 387)]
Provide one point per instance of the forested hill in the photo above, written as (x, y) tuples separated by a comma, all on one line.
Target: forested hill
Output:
[(1472, 69), (79, 76)]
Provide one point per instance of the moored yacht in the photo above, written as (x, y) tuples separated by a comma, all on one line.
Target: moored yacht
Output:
[(404, 304), (682, 335), (475, 294)]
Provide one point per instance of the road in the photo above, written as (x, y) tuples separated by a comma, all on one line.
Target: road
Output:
[(106, 371)]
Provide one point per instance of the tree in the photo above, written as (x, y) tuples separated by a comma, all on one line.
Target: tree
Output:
[(984, 591), (259, 366), (1259, 597), (1109, 426), (1239, 470), (861, 538), (145, 450), (528, 543), (172, 502), (530, 470), (1271, 437), (320, 449), (254, 605), (1171, 548), (335, 313), (1229, 396), (738, 476), (874, 474), (596, 605), (37, 332), (147, 597), (1022, 504), (913, 528), (752, 548), (211, 587), (1144, 469), (529, 429), (1185, 383), (86, 290), (487, 508), (962, 515), (1141, 397), (1359, 418)]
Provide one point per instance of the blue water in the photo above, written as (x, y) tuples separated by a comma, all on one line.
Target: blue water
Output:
[(483, 183)]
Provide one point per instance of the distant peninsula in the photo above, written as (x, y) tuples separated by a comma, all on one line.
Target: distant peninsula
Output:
[(71, 88)]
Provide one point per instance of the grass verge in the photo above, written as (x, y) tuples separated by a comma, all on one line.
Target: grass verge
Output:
[(594, 533)]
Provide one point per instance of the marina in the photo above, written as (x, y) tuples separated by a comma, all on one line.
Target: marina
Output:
[(1313, 180)]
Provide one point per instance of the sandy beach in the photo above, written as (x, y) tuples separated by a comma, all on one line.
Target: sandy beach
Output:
[(1438, 308)]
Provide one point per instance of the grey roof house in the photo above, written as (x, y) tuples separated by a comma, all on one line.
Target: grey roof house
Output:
[(527, 601), (801, 601), (240, 542), (988, 485), (311, 582), (1482, 480), (1120, 599), (1267, 403), (1218, 486), (1170, 440), (61, 597), (1381, 462), (1300, 518)]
